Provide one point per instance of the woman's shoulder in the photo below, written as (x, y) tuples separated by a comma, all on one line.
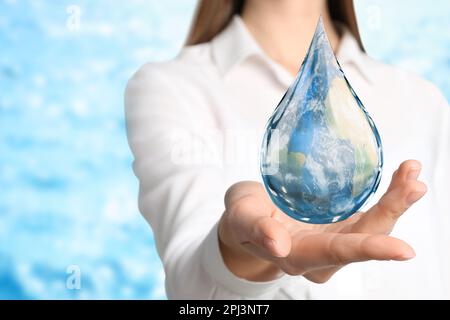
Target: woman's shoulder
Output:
[(406, 84), (187, 65), (177, 79)]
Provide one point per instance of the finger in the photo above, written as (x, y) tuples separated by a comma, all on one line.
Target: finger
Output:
[(408, 170), (319, 251), (402, 193), (322, 275), (253, 225)]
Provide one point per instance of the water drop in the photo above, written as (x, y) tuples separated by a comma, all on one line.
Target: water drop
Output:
[(321, 157)]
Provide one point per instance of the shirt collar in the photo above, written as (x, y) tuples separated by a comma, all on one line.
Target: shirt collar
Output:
[(235, 44)]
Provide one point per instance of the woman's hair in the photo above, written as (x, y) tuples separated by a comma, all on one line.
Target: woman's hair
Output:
[(212, 16)]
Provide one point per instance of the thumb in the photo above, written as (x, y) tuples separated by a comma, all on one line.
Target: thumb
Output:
[(251, 223)]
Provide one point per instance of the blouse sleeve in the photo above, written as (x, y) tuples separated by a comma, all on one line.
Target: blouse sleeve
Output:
[(442, 166), (181, 188), (441, 185)]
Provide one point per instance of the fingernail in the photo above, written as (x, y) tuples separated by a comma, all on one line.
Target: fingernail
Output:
[(413, 197), (270, 245), (413, 174), (405, 256)]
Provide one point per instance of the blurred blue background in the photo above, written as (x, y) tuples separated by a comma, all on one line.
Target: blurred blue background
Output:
[(67, 191)]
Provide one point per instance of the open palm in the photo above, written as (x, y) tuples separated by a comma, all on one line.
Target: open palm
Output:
[(254, 225)]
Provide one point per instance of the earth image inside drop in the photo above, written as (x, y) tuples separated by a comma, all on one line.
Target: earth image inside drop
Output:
[(321, 156)]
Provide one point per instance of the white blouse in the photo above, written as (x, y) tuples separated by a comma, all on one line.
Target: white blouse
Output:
[(195, 125)]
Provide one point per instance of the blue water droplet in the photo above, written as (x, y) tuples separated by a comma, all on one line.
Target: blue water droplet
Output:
[(321, 156)]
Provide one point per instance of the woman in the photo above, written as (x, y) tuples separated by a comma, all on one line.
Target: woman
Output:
[(194, 126)]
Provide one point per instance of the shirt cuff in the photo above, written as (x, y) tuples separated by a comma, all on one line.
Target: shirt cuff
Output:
[(215, 266)]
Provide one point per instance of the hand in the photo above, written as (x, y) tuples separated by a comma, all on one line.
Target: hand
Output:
[(258, 241)]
